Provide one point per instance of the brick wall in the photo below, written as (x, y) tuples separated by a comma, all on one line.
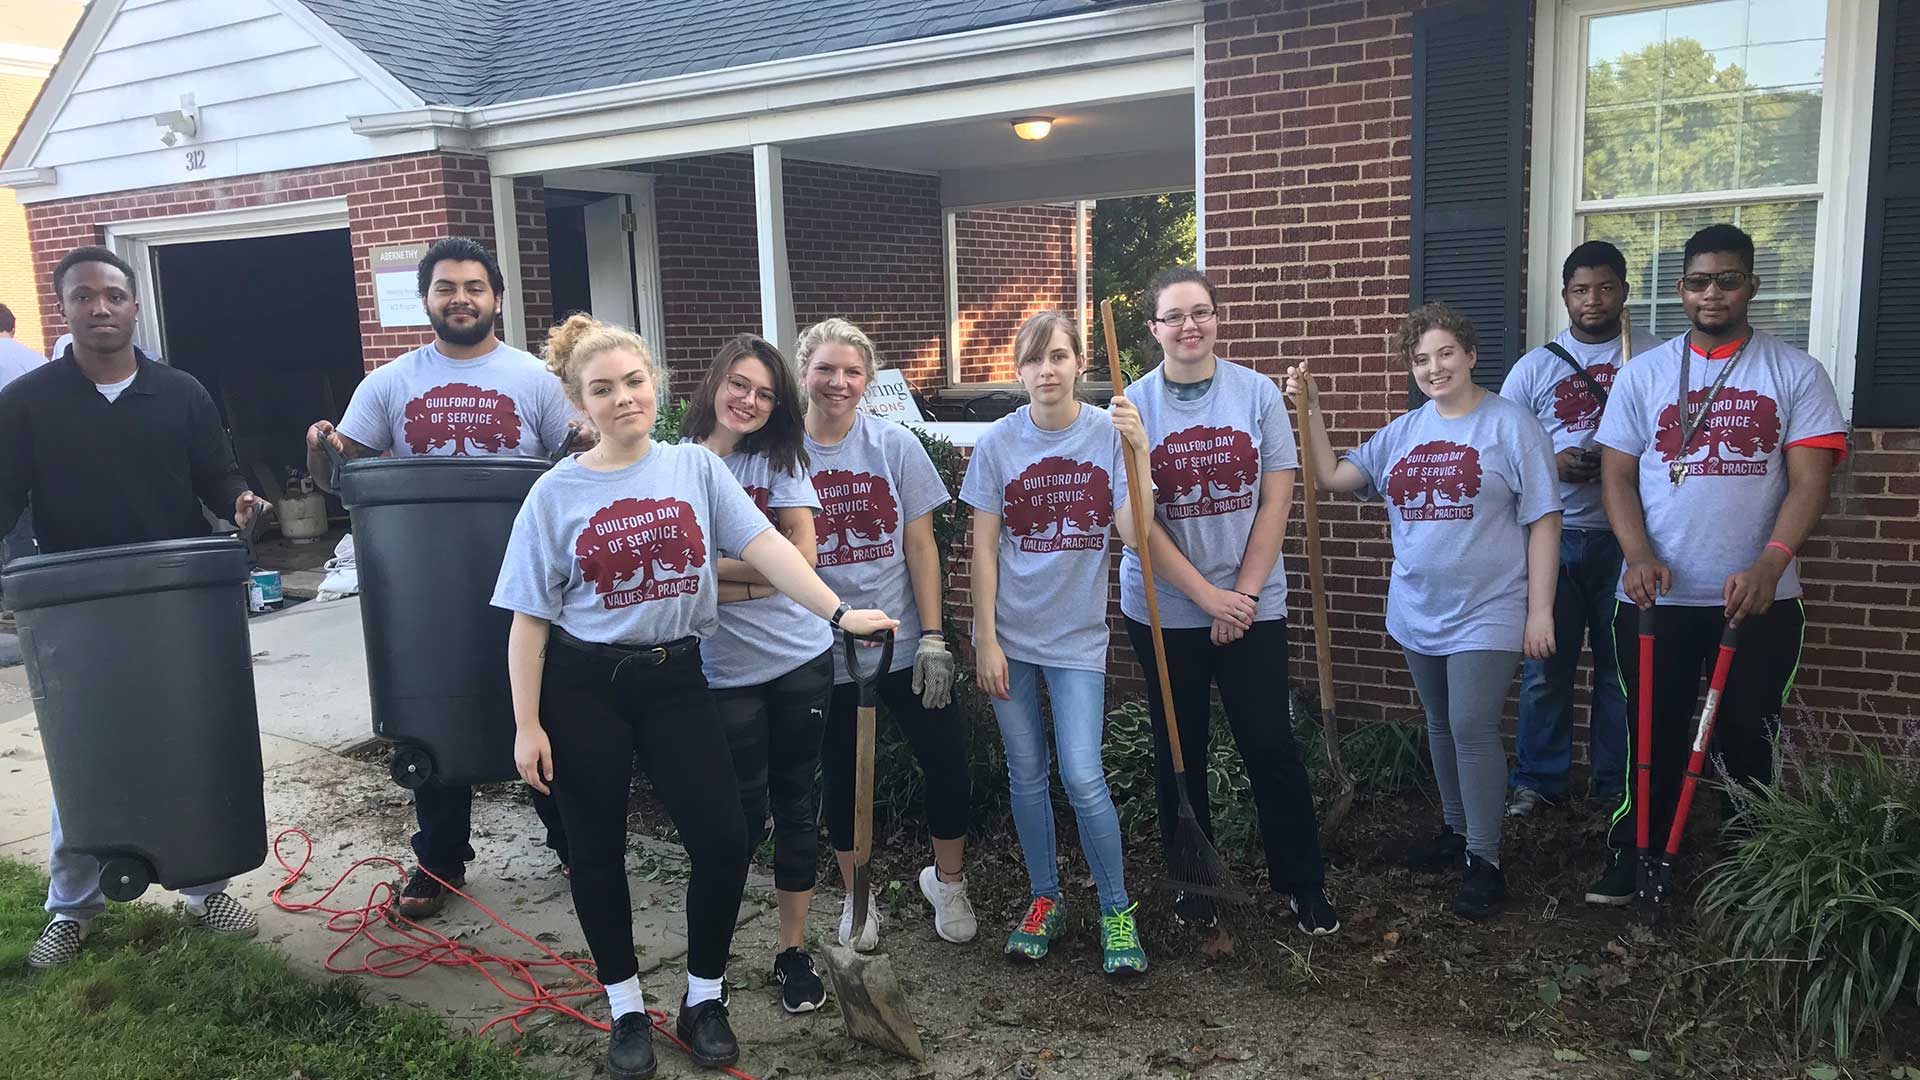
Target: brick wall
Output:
[(17, 289), (1011, 263), (393, 200)]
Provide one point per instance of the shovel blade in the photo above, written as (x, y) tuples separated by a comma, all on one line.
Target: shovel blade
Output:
[(873, 1003)]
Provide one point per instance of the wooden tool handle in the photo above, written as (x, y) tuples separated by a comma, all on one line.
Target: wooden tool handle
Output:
[(1138, 495), (862, 812), (1626, 337), (1322, 634)]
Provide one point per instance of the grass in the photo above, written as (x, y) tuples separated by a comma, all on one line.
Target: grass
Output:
[(153, 999)]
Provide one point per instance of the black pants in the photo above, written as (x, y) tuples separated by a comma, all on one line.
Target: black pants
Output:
[(1686, 640), (1252, 676), (939, 745), (444, 843), (774, 730), (598, 712)]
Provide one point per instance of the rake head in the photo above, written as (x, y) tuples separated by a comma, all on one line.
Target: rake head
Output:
[(1195, 868)]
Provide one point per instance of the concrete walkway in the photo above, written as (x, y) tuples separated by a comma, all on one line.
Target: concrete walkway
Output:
[(310, 681)]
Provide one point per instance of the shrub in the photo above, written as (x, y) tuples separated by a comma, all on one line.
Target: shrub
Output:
[(1823, 891)]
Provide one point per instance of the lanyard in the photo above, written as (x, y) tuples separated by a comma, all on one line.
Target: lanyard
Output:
[(1690, 422)]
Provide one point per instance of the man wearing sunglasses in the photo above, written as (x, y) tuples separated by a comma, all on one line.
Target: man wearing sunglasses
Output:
[(1717, 450)]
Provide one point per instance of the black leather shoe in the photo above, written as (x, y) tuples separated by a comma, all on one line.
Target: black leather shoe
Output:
[(1483, 888), (630, 1050), (708, 1035)]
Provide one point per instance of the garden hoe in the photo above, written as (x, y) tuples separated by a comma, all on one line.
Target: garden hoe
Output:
[(1193, 866), (1342, 802), (1696, 765), (872, 1002)]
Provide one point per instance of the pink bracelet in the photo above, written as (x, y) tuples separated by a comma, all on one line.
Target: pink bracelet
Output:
[(1782, 547)]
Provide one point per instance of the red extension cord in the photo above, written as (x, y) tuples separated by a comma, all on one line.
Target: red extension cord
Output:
[(421, 947)]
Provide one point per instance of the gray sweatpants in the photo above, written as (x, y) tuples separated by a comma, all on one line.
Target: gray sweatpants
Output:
[(1463, 695)]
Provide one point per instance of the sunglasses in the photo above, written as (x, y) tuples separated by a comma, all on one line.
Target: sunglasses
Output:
[(1728, 280)]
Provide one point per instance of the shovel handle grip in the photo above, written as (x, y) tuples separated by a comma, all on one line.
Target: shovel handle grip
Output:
[(869, 683)]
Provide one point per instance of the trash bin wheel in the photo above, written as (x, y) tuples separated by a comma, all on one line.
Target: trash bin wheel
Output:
[(411, 767), (124, 878)]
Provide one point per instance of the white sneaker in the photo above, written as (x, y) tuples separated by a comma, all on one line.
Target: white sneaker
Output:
[(870, 933), (953, 917)]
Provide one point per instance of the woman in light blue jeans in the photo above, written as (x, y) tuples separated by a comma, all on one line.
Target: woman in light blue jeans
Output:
[(1046, 484)]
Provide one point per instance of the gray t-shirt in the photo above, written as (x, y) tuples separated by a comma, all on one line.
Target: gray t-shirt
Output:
[(871, 484), (1208, 457), (760, 640), (1718, 521), (1567, 408), (1460, 493), (505, 402), (626, 557), (16, 360), (1056, 493)]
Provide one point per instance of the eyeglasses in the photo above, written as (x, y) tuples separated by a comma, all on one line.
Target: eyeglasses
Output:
[(1174, 319), (739, 387), (1728, 280)]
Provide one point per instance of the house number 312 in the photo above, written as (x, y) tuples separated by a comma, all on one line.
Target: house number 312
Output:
[(196, 160)]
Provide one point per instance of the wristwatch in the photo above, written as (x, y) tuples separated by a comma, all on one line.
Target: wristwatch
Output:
[(839, 611)]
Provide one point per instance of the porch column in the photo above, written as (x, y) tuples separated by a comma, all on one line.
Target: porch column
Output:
[(506, 248), (777, 322)]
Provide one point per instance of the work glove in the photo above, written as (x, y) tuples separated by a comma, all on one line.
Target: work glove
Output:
[(933, 672)]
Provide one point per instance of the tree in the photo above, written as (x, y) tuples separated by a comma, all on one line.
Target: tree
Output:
[(761, 497), (1744, 423), (1134, 239), (1437, 470), (631, 536), (1573, 402), (1208, 460), (459, 413), (1055, 494), (853, 506)]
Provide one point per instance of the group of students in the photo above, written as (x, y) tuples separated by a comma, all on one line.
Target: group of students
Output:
[(679, 602)]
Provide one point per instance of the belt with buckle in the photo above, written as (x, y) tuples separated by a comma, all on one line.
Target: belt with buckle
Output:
[(647, 655)]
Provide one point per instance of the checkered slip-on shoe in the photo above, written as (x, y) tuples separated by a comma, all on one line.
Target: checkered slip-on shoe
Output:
[(225, 916), (59, 945)]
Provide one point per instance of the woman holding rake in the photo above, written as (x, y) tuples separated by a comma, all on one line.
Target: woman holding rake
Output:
[(1474, 511), (1222, 459)]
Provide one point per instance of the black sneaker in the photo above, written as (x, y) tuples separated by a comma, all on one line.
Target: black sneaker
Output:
[(1483, 888), (800, 987), (1316, 913), (1616, 887), (423, 897), (630, 1049), (708, 1035), (1196, 911), (1439, 854)]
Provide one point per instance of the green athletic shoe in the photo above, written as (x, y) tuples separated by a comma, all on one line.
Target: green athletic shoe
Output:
[(1120, 940), (1036, 930)]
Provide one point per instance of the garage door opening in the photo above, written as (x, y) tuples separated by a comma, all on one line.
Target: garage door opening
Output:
[(271, 327)]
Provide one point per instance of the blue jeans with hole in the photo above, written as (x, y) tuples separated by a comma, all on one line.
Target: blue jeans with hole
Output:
[(1079, 721), (1582, 609)]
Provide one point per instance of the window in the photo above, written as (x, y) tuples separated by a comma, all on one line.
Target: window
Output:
[(1665, 117)]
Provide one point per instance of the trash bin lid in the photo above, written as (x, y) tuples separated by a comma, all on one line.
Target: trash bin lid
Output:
[(396, 481), (70, 577)]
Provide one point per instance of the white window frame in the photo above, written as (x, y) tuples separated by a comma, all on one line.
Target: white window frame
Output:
[(1846, 124)]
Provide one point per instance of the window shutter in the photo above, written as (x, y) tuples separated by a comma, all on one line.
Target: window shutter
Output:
[(1887, 375), (1469, 138)]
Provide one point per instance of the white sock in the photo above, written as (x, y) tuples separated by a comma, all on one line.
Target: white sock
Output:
[(699, 989), (196, 905), (624, 998)]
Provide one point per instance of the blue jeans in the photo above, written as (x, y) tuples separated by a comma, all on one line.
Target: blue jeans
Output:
[(1079, 720), (1583, 606)]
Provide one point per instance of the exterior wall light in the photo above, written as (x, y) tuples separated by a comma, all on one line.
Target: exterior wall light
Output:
[(1033, 128)]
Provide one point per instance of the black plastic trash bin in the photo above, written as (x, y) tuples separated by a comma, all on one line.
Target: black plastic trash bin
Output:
[(429, 534), (140, 667)]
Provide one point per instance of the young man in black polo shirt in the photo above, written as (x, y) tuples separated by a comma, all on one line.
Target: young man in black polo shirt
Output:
[(113, 448)]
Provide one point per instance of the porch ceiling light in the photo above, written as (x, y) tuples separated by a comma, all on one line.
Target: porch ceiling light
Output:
[(1033, 128)]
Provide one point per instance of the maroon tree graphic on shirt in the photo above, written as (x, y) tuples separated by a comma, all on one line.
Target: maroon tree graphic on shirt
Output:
[(857, 517), (1743, 423), (1059, 504), (1573, 402), (628, 539), (1434, 473), (1216, 465), (761, 497), (459, 414)]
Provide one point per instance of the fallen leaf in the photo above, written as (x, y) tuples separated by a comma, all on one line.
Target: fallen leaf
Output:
[(1638, 1054), (1548, 992), (1564, 1054), (1617, 949), (1822, 1072), (1392, 939), (1217, 944)]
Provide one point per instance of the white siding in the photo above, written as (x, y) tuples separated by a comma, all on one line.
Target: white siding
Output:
[(271, 91)]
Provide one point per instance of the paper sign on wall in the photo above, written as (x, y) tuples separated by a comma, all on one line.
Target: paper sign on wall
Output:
[(396, 283), (889, 398)]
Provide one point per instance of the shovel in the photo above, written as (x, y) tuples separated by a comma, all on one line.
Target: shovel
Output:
[(872, 1002), (1342, 803)]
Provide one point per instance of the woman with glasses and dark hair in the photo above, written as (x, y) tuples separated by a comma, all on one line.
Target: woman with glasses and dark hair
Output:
[(770, 662), (1223, 459)]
